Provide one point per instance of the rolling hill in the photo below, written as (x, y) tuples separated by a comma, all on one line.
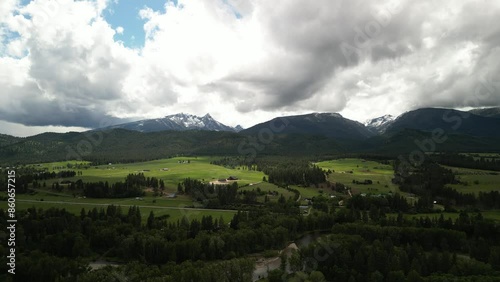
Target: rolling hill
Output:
[(331, 125), (450, 121), (7, 140), (314, 134), (487, 112)]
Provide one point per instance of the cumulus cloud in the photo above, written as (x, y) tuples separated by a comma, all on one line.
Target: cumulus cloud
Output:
[(74, 71), (247, 61)]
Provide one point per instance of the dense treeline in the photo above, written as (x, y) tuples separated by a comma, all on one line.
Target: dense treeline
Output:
[(132, 187), (116, 190), (211, 195), (365, 248), (282, 171), (398, 249), (50, 175), (363, 242), (23, 178), (298, 174), (467, 161), (287, 171), (56, 235), (429, 181), (355, 258), (387, 204), (222, 271), (237, 161), (118, 146), (124, 146)]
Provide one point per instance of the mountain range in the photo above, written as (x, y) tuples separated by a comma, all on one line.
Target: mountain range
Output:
[(331, 125), (380, 124), (477, 122), (179, 122), (447, 120), (487, 112), (310, 134)]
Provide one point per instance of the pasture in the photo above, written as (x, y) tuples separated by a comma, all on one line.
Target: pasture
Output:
[(176, 208), (346, 171), (475, 180), (171, 171), (174, 214), (268, 188), (309, 192)]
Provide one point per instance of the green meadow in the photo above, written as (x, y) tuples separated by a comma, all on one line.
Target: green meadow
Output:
[(309, 192), (176, 208), (171, 171), (174, 170), (268, 187), (347, 170), (173, 214), (475, 180)]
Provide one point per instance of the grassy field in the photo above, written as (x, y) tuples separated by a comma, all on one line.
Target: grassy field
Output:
[(310, 192), (492, 214), (176, 208), (477, 180), (268, 187), (171, 171), (347, 170), (42, 195), (174, 170), (178, 169), (174, 213)]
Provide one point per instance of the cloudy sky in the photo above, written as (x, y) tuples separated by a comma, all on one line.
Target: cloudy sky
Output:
[(70, 65)]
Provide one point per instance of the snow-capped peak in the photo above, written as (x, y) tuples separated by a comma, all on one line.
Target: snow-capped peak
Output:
[(379, 124), (238, 128), (379, 121), (318, 115), (187, 121), (178, 122)]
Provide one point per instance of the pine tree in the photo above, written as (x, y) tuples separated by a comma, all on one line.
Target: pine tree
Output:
[(151, 220), (82, 214)]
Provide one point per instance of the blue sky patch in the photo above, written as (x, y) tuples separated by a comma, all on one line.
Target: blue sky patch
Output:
[(233, 9), (125, 13)]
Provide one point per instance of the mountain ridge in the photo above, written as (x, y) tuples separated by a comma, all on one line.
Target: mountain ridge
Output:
[(447, 120), (179, 122), (332, 125), (313, 134), (487, 112), (379, 125)]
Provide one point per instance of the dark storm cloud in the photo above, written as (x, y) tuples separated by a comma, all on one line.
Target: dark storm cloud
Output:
[(316, 40), (366, 57), (40, 111), (72, 76)]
